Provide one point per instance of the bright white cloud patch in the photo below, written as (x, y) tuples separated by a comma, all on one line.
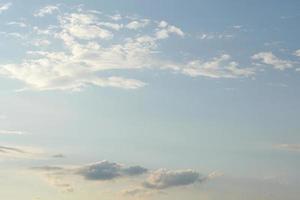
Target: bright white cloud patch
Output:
[(270, 59), (297, 53), (92, 43), (4, 7)]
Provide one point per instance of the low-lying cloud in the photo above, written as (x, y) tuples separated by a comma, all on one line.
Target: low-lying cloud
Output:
[(105, 170)]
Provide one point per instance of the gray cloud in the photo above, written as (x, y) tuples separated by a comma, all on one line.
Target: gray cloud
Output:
[(162, 178), (58, 155), (6, 149), (156, 182), (48, 168), (105, 170)]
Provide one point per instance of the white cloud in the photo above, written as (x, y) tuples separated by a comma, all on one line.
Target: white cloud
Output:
[(116, 17), (137, 24), (47, 10), (17, 23), (165, 30), (4, 7), (213, 36), (297, 53), (83, 26), (91, 45), (270, 59), (218, 67)]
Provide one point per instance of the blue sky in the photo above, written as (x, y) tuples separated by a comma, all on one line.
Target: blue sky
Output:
[(149, 99)]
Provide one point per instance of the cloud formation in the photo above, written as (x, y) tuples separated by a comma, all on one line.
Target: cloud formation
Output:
[(151, 182), (270, 59), (95, 46), (162, 178), (105, 170), (218, 67)]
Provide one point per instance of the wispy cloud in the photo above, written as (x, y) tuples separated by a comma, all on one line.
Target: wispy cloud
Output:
[(288, 147), (218, 67), (12, 132), (8, 150), (17, 23), (47, 10), (20, 152)]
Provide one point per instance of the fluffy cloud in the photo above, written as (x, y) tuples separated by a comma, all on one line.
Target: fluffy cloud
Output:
[(92, 44), (47, 10), (162, 178), (105, 170), (270, 59), (4, 7), (165, 30)]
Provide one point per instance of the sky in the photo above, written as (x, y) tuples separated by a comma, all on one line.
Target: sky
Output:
[(149, 100)]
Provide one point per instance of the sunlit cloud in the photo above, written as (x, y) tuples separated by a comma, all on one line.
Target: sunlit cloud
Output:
[(89, 49)]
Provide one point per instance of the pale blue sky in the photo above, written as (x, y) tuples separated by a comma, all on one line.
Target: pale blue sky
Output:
[(202, 85)]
